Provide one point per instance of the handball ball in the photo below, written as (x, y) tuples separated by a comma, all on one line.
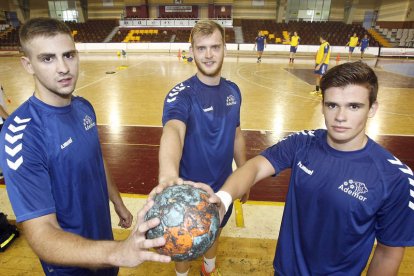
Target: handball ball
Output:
[(189, 223)]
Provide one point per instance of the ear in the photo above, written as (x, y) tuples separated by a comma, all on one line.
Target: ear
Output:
[(373, 110), (225, 50), (191, 51), (27, 64)]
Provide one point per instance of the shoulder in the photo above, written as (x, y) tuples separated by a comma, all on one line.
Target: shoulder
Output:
[(180, 91), (27, 114), (81, 103), (306, 136), (385, 160), (22, 133), (232, 86), (389, 165), (231, 83), (78, 100)]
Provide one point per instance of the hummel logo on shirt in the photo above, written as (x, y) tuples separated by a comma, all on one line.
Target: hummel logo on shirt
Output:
[(410, 176), (208, 109), (172, 96), (304, 168), (67, 143), (13, 136), (354, 189)]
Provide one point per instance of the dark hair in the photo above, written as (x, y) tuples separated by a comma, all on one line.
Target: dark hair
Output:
[(323, 36), (348, 73), (41, 26), (205, 28)]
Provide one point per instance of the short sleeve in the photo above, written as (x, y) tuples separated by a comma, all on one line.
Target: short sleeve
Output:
[(177, 104), (282, 154), (395, 223), (25, 168), (326, 49), (239, 96)]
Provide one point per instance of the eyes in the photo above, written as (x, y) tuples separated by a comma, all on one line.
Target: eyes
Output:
[(351, 106), (50, 58), (203, 48)]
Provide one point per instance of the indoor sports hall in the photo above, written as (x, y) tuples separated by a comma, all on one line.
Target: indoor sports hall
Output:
[(133, 52)]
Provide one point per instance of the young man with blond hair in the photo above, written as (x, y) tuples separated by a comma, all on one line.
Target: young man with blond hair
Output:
[(201, 126)]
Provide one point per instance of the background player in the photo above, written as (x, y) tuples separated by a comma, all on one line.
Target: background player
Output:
[(259, 44), (294, 43), (201, 133), (364, 45), (54, 170), (352, 43), (345, 190), (321, 62)]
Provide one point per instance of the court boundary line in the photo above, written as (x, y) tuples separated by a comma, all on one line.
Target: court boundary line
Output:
[(263, 86)]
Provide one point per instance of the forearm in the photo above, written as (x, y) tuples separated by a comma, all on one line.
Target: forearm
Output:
[(386, 261), (241, 180), (113, 191), (53, 245), (239, 148), (171, 147)]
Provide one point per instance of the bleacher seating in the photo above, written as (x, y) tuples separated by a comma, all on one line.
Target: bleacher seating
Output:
[(93, 30), (161, 35), (338, 33), (9, 37)]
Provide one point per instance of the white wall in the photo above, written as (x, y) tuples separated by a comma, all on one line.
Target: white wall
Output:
[(393, 10), (232, 48)]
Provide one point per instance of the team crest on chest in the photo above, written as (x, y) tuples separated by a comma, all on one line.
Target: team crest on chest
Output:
[(88, 123), (354, 188), (231, 100)]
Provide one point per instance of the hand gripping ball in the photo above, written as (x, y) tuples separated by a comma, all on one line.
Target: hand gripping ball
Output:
[(189, 223)]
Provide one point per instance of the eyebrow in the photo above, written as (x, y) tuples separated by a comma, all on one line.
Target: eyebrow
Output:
[(214, 45), (347, 104), (42, 55)]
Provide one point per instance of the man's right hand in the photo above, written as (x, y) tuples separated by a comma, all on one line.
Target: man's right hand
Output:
[(135, 249)]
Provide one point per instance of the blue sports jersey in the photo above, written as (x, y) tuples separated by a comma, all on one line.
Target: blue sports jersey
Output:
[(260, 41), (338, 203), (364, 43), (52, 163), (211, 115)]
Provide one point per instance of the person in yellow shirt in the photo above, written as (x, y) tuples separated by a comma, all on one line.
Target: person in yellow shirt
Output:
[(321, 61), (352, 43), (294, 43)]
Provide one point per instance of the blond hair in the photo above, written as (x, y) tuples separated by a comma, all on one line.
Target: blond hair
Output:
[(206, 28)]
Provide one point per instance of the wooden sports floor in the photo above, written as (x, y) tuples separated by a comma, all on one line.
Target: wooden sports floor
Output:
[(128, 95)]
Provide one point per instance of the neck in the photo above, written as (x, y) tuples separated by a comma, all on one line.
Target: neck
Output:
[(209, 80), (54, 99), (348, 145)]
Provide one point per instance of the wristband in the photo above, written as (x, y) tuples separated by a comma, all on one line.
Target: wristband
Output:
[(226, 198)]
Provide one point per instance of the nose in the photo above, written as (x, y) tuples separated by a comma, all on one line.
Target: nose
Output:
[(62, 66), (340, 115), (209, 53)]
